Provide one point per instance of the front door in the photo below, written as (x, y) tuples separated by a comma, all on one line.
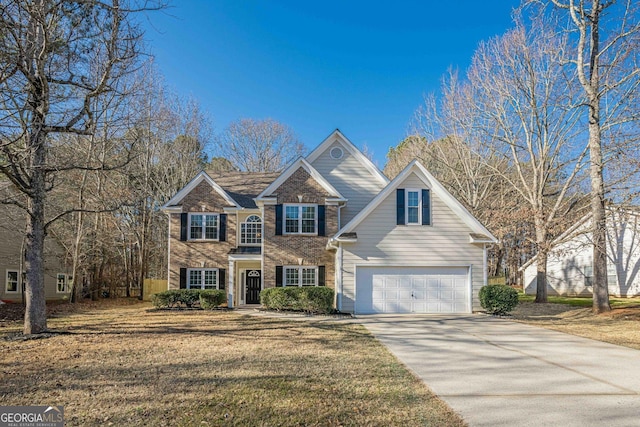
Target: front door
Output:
[(253, 286)]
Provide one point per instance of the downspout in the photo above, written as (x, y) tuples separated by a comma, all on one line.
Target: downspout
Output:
[(339, 276), (168, 252), (484, 262)]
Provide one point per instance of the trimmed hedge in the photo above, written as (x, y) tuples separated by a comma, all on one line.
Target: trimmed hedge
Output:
[(310, 299), (498, 299), (205, 298)]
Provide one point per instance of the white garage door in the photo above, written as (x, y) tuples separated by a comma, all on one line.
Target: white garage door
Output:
[(412, 290)]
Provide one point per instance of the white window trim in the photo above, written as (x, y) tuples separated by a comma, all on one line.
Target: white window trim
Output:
[(244, 223), (204, 222), (189, 270), (299, 268), (6, 281), (67, 284), (406, 205), (299, 206)]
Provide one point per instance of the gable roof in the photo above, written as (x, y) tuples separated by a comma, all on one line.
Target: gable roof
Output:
[(574, 230), (202, 176), (337, 136), (243, 187), (300, 163), (416, 167)]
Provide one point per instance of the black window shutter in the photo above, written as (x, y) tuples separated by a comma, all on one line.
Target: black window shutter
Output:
[(426, 207), (222, 232), (400, 206), (321, 275), (222, 278), (183, 226), (321, 221), (278, 220), (278, 276), (183, 278)]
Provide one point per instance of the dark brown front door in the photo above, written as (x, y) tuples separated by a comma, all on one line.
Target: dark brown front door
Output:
[(253, 287)]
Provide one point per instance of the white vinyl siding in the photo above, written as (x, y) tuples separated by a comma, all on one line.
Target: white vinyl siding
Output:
[(570, 264), (351, 178), (382, 242)]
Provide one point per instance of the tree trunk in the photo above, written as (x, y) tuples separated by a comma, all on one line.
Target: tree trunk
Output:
[(35, 316), (541, 261), (599, 225)]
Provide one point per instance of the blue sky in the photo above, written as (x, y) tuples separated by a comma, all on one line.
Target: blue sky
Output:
[(360, 66)]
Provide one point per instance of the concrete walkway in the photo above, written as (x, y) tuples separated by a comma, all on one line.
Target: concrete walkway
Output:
[(495, 372)]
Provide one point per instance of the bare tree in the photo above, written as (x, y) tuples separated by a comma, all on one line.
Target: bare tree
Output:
[(56, 60), (525, 108), (607, 61), (259, 145)]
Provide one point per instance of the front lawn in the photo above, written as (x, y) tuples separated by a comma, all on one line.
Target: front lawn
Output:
[(581, 301), (127, 365), (621, 326)]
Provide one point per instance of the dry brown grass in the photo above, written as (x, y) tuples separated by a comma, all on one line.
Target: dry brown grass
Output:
[(621, 326), (130, 366)]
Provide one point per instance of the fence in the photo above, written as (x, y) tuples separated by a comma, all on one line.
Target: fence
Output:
[(495, 280), (153, 286)]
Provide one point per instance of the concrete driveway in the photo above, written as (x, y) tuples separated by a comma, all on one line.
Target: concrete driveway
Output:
[(494, 372)]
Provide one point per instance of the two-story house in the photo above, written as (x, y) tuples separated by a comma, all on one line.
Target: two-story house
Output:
[(57, 277), (330, 219)]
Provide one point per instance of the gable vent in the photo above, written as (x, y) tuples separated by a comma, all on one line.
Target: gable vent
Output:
[(336, 153)]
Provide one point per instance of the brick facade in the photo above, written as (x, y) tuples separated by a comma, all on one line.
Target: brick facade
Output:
[(287, 249), (199, 254), (278, 250)]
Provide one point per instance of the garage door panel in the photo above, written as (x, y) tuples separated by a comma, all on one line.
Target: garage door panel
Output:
[(412, 290)]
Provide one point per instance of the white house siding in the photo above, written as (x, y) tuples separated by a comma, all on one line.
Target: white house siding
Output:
[(565, 270), (569, 261), (351, 178), (12, 223), (382, 242)]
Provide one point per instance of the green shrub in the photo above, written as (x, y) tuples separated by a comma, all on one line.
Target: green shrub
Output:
[(308, 299), (316, 299), (212, 298), (189, 298), (498, 299), (167, 299)]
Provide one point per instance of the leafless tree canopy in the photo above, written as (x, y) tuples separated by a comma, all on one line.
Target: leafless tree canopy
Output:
[(259, 145), (61, 65)]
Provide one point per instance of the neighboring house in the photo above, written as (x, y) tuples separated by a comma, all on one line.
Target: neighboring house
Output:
[(330, 219), (57, 280), (570, 262)]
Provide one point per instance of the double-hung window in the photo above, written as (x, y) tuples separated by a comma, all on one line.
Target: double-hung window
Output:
[(203, 226), (301, 219), (202, 278), (300, 276), (63, 283), (11, 282), (413, 209), (251, 231)]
